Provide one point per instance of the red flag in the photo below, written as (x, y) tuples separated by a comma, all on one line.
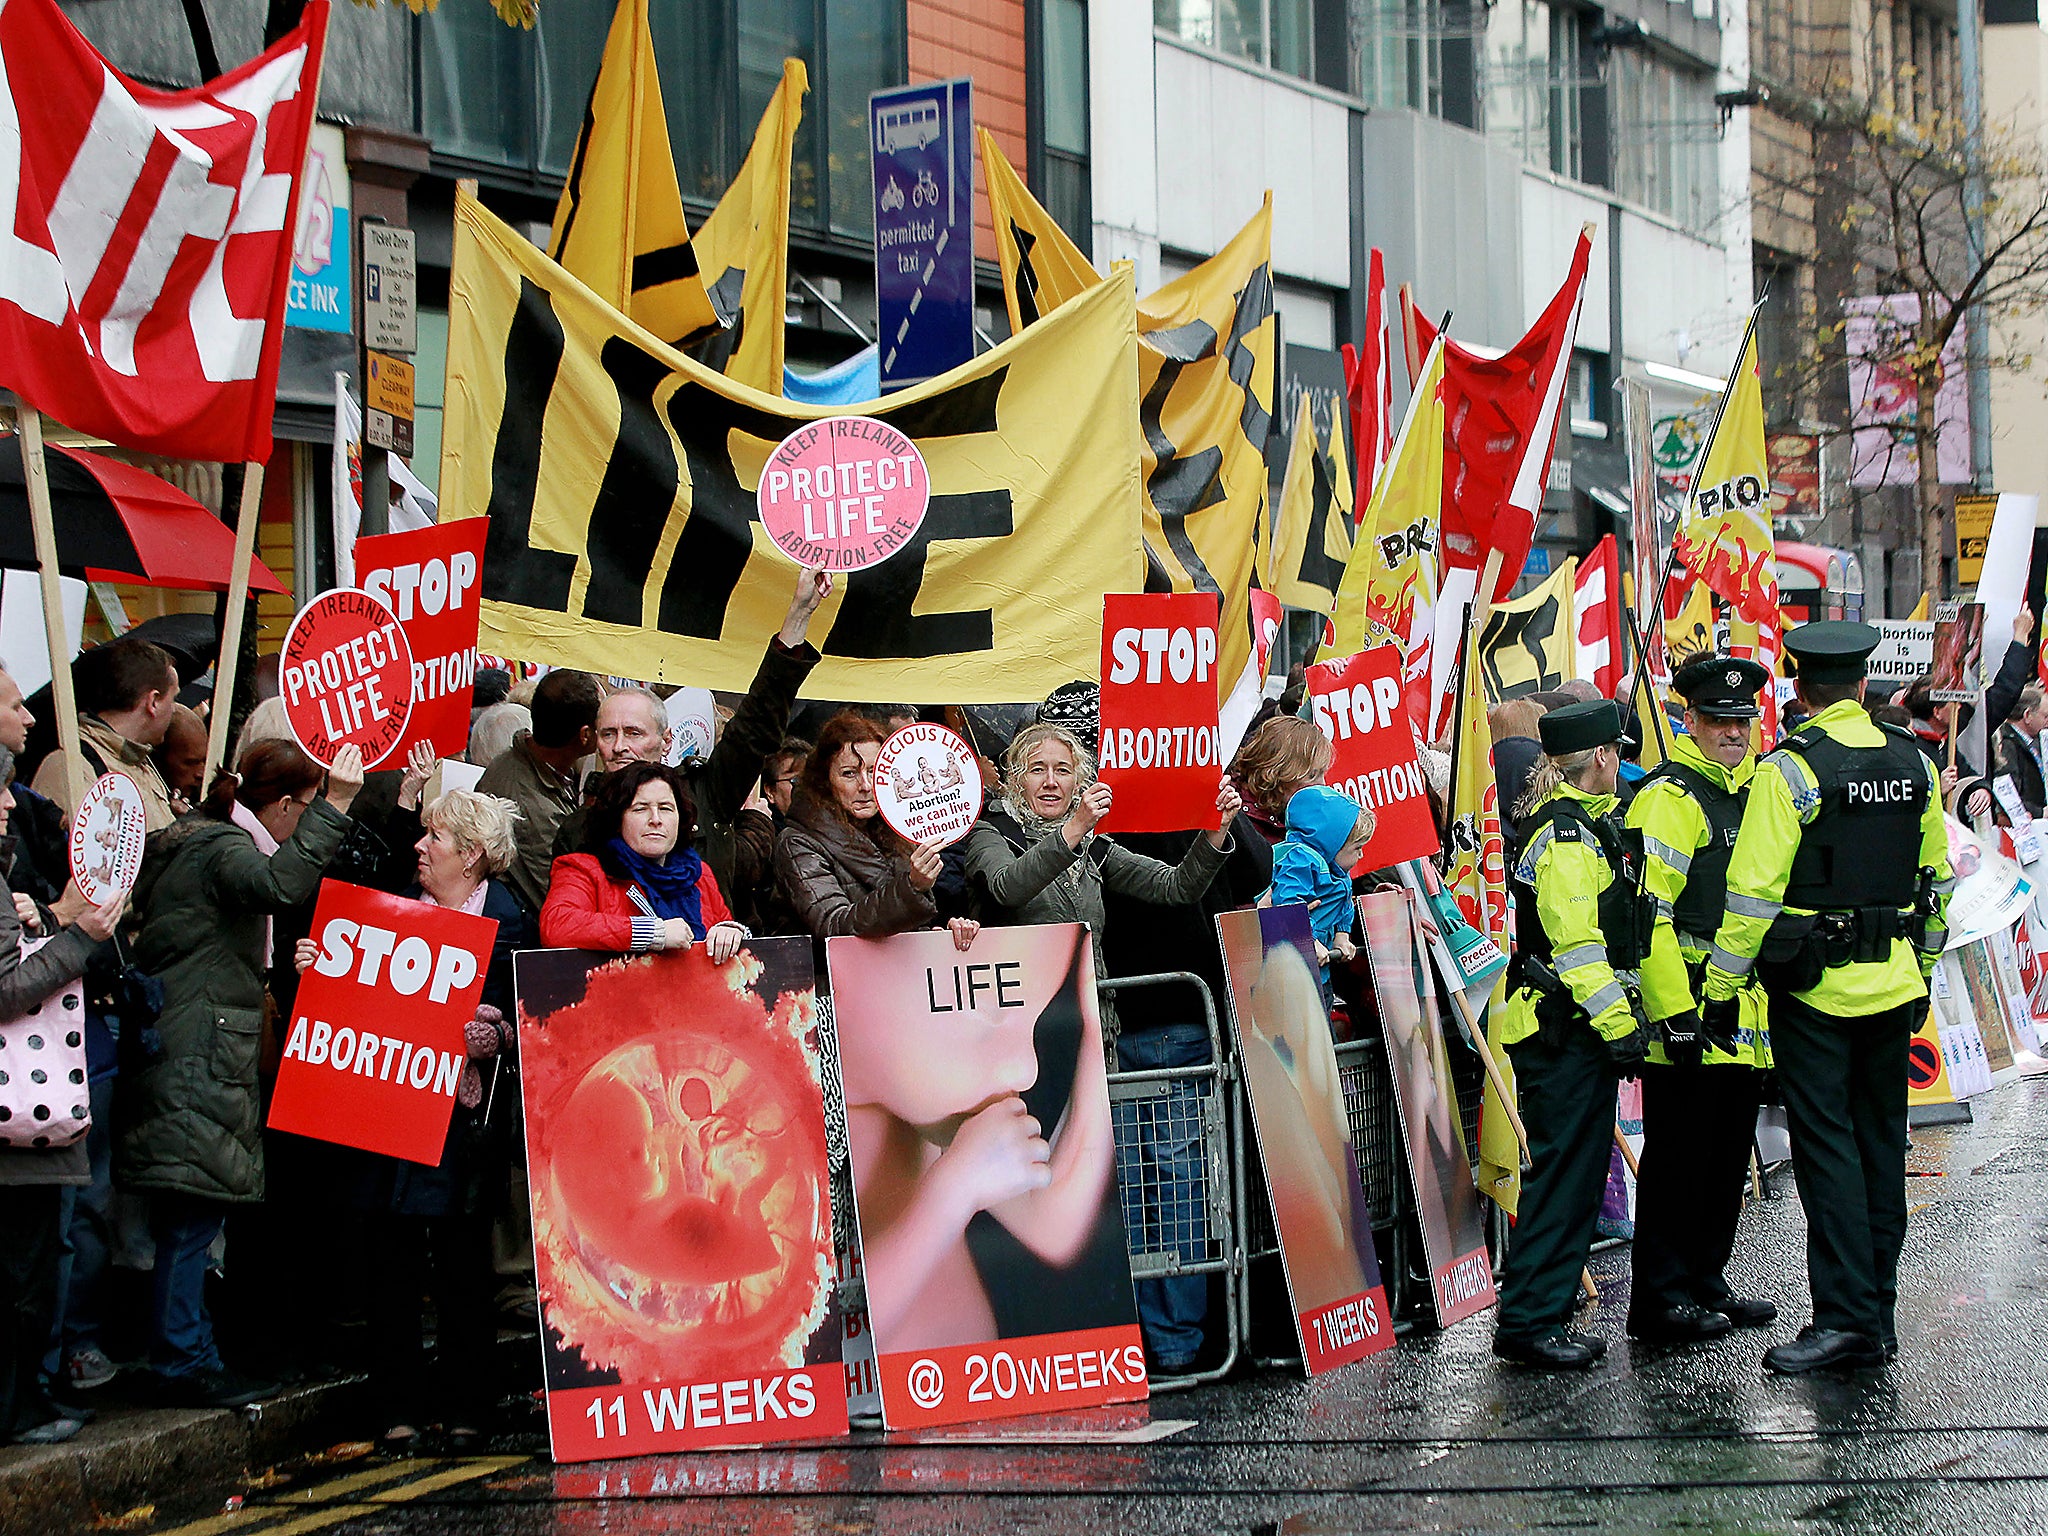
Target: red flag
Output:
[(1369, 385), (146, 236), (1596, 605), (1500, 423)]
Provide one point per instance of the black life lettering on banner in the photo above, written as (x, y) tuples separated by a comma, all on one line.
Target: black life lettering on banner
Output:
[(1254, 308), (1178, 486), (1317, 568), (514, 571), (876, 622), (638, 488)]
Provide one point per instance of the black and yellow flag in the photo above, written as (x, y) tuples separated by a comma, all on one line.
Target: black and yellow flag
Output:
[(1042, 268), (619, 225), (1311, 540), (743, 247), (1529, 644), (1205, 404), (619, 477)]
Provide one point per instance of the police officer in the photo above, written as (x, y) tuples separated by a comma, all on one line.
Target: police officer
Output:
[(1572, 1027), (1837, 892), (1699, 1093)]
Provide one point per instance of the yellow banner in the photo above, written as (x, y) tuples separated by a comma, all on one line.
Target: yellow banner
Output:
[(619, 225), (1725, 536), (1042, 268), (1477, 871), (619, 477), (1528, 645), (1392, 574), (743, 247), (1311, 542), (1500, 1151)]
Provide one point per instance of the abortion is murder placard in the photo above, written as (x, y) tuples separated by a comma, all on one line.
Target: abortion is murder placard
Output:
[(1356, 702), (1162, 749), (375, 1049)]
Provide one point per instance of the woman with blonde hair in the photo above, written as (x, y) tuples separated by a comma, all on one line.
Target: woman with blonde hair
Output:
[(1037, 858), (1278, 760), (429, 1228)]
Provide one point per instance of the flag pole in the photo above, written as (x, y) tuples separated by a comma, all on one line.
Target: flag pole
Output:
[(231, 624), (36, 473)]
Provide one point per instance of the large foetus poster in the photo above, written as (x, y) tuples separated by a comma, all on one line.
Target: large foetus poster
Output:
[(1318, 1199), (1446, 1201), (984, 1174), (682, 1218)]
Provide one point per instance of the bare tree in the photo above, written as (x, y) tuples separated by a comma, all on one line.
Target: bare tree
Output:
[(1904, 207)]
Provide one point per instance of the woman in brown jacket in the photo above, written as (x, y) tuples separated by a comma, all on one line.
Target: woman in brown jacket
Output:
[(841, 866)]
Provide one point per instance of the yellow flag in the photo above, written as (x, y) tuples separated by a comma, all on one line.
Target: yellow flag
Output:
[(743, 248), (619, 225), (1692, 632), (1042, 268), (1920, 609), (1528, 645), (619, 475), (1311, 540), (1205, 400), (1477, 872), (1725, 536), (1500, 1151)]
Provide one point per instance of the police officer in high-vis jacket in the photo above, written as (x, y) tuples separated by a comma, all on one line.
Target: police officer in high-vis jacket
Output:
[(1700, 1092), (1836, 899), (1573, 1025)]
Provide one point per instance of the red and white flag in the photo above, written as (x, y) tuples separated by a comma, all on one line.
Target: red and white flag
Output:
[(146, 236), (1369, 384), (1596, 617)]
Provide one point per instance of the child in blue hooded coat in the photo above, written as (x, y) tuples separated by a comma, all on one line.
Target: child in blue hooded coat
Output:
[(1326, 835)]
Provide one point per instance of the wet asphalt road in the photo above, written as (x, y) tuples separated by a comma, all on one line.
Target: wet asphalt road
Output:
[(1433, 1436)]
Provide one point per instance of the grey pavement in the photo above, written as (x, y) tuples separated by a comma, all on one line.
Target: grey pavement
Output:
[(1432, 1436)]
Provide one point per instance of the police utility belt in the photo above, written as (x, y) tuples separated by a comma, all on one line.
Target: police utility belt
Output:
[(1802, 946), (1556, 1007)]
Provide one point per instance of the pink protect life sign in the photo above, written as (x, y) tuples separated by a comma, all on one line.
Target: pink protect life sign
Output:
[(843, 493)]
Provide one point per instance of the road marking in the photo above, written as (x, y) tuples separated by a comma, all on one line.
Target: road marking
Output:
[(253, 1517), (1143, 1434)]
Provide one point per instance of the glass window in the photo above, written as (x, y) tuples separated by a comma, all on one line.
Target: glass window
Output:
[(569, 37), (1066, 76), (693, 50), (475, 87), (864, 54), (1666, 137), (1229, 26), (1515, 80)]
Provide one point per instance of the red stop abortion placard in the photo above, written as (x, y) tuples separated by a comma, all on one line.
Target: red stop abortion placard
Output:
[(346, 676), (843, 493), (1161, 747), (428, 578), (1357, 704), (375, 1049)]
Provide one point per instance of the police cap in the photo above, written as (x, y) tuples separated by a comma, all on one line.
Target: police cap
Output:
[(1580, 727), (1724, 687), (1831, 650)]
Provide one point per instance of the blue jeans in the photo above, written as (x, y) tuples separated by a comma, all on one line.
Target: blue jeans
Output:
[(181, 1336), (88, 1227), (1164, 1194)]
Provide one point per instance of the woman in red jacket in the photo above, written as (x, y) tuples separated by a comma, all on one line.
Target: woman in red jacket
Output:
[(638, 885)]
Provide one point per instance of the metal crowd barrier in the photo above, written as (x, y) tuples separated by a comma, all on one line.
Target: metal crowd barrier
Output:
[(1179, 1161)]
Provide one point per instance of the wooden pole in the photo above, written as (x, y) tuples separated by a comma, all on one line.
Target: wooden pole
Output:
[(231, 624), (1476, 1036), (1628, 1153), (36, 473)]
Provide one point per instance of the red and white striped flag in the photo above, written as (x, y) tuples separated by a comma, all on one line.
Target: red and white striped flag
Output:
[(1369, 385), (1596, 617)]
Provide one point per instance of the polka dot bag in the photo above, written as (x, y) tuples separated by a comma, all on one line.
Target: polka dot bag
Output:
[(43, 1100)]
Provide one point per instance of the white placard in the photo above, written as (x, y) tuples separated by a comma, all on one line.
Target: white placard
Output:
[(928, 784)]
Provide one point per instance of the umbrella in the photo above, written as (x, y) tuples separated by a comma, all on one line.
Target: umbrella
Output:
[(115, 522)]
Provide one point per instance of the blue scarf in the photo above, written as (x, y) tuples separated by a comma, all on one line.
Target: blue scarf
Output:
[(671, 888)]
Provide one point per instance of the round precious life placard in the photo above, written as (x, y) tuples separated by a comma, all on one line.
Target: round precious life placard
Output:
[(843, 493), (928, 784), (106, 838), (346, 675)]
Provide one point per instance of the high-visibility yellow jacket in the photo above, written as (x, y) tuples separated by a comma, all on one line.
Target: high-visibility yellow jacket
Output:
[(1675, 829), (1568, 872), (1784, 799)]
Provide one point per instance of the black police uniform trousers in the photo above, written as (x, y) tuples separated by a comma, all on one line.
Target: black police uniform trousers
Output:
[(1699, 1123), (1844, 1086), (1566, 1084)]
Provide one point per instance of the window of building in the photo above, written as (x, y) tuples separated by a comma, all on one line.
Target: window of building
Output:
[(1536, 75), (1307, 38), (1058, 91), (1425, 55), (1666, 137), (499, 97)]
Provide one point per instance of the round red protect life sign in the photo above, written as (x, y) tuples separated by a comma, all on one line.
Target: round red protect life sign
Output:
[(346, 676), (106, 838), (843, 493), (928, 784)]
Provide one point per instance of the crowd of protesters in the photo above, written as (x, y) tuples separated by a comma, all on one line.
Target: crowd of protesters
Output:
[(594, 826)]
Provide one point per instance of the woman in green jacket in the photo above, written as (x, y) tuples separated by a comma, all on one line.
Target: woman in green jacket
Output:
[(190, 1121)]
